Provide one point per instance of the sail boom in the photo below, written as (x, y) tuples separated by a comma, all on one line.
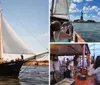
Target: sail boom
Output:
[(60, 14)]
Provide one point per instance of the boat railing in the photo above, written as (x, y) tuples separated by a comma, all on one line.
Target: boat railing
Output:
[(77, 37)]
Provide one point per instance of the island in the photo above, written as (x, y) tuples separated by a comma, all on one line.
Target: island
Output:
[(83, 21)]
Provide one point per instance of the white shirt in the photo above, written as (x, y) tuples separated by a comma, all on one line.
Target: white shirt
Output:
[(56, 65), (93, 71), (71, 64), (51, 66), (96, 72)]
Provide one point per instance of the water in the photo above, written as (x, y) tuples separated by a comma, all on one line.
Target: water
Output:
[(29, 75), (90, 32)]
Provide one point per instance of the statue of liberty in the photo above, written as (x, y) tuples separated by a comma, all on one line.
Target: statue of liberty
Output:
[(81, 18)]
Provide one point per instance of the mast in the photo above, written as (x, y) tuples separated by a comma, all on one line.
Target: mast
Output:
[(68, 6), (52, 6), (1, 48), (83, 54)]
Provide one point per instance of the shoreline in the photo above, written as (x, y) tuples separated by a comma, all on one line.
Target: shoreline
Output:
[(36, 63), (85, 22)]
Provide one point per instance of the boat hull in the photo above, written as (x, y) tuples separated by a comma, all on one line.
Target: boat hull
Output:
[(11, 68)]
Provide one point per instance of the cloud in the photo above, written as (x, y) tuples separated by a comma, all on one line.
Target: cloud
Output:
[(96, 18), (89, 0), (98, 13), (95, 8), (86, 9), (73, 6), (91, 17), (78, 1), (90, 9), (73, 9), (73, 17), (87, 16)]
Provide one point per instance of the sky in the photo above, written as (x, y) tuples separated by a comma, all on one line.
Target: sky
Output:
[(29, 19), (90, 8), (94, 49)]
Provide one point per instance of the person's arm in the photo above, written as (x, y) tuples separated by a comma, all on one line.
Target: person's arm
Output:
[(91, 71), (54, 34), (65, 35), (70, 30), (96, 70)]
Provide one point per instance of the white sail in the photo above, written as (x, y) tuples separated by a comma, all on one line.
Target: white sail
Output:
[(43, 57), (12, 44), (61, 8)]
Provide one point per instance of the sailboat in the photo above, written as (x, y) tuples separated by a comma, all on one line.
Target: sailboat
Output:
[(10, 43), (60, 11)]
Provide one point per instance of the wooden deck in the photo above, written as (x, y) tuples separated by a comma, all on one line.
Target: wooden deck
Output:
[(88, 81)]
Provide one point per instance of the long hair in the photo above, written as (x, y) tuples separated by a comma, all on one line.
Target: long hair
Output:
[(97, 62), (55, 26), (65, 24)]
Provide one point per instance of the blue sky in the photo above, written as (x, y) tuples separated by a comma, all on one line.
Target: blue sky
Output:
[(90, 8), (29, 19)]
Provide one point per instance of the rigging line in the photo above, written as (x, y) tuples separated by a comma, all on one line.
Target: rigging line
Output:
[(32, 34), (45, 56)]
